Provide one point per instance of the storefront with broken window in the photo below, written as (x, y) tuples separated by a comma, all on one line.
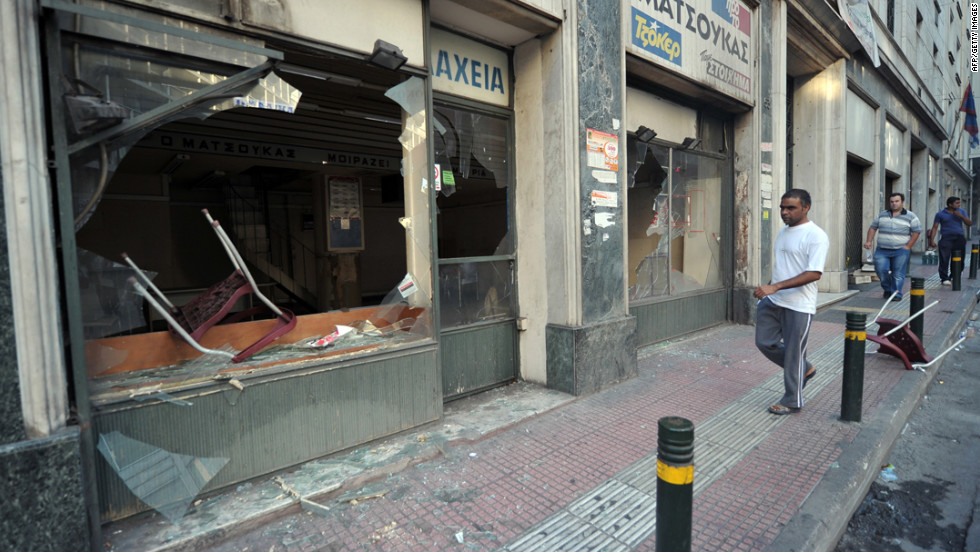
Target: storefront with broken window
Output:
[(247, 236), (689, 76), (279, 237)]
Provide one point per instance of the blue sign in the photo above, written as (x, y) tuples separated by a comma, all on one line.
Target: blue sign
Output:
[(655, 37)]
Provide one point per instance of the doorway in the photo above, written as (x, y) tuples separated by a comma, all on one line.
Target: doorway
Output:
[(853, 232), (477, 303)]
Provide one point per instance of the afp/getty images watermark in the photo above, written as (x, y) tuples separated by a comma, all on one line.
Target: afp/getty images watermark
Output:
[(974, 41)]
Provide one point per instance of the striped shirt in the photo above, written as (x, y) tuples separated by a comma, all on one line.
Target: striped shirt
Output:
[(894, 230)]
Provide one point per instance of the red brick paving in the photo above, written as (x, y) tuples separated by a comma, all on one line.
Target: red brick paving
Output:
[(490, 492)]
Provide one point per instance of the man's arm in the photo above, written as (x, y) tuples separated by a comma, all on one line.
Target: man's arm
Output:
[(870, 239), (932, 234), (796, 281), (963, 217), (912, 239)]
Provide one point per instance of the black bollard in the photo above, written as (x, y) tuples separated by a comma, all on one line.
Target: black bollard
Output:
[(675, 483), (917, 300), (852, 390), (956, 269), (973, 261)]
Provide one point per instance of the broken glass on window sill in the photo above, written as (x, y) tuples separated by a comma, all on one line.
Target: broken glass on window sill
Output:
[(147, 365)]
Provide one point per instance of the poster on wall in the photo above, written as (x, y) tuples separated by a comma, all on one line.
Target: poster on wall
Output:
[(345, 228), (709, 41), (603, 150)]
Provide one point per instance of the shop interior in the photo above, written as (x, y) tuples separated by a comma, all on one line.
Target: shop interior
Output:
[(321, 200)]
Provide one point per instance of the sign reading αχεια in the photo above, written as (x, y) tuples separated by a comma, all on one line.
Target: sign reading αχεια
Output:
[(466, 68)]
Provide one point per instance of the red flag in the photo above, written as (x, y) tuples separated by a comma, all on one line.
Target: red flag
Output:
[(970, 122)]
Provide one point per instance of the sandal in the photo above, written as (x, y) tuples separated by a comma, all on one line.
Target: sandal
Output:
[(781, 410), (808, 376)]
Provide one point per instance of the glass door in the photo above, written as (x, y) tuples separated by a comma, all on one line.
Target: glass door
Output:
[(476, 253)]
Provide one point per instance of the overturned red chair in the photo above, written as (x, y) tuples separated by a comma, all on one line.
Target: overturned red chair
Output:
[(902, 344), (214, 305), (896, 339)]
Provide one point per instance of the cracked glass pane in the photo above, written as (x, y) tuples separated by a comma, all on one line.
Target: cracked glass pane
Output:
[(108, 306), (675, 224), (473, 219), (475, 292), (696, 212), (648, 227), (107, 85)]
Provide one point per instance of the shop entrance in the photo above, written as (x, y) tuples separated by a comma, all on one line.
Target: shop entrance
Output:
[(478, 336), (679, 229), (855, 230)]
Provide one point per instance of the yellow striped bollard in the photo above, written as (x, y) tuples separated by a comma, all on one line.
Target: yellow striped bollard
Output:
[(917, 300), (956, 269), (852, 390), (675, 483), (973, 260)]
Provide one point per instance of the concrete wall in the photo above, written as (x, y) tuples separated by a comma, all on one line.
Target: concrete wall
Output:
[(529, 133), (819, 138)]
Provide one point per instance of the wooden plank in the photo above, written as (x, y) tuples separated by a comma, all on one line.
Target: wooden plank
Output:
[(115, 355)]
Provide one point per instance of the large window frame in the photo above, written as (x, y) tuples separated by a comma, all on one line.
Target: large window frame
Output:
[(673, 214), (497, 259), (74, 150)]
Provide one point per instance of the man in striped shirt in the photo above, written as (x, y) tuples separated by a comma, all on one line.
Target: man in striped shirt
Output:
[(897, 229)]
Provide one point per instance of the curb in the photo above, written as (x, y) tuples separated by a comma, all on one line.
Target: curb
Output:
[(823, 517)]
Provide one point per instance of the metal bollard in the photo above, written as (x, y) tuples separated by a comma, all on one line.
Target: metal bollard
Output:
[(917, 300), (852, 390), (675, 483), (973, 261), (956, 269)]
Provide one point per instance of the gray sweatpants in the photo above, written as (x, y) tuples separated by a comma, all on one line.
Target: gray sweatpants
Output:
[(781, 335)]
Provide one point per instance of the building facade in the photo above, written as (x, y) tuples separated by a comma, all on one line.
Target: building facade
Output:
[(423, 199)]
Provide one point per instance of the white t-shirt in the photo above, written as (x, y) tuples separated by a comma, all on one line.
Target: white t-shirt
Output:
[(799, 249)]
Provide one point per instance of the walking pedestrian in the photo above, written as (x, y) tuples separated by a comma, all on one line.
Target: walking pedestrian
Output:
[(897, 229), (950, 223), (789, 301)]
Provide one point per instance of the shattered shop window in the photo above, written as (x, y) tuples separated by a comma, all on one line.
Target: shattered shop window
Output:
[(674, 222), (210, 310)]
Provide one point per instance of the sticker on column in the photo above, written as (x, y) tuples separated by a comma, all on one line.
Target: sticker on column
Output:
[(602, 150), (600, 198), (407, 286), (604, 220)]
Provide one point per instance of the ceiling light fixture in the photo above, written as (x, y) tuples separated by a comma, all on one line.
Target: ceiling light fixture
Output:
[(387, 55), (645, 134), (690, 143)]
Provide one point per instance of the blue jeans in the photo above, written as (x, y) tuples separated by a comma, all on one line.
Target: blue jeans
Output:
[(895, 261)]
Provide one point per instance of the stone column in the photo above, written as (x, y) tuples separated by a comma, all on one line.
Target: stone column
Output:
[(37, 341), (40, 456), (596, 346)]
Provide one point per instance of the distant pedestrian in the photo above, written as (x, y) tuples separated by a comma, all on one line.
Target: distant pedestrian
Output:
[(950, 223), (789, 301), (897, 229)]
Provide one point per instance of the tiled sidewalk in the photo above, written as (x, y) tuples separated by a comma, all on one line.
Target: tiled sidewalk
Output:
[(583, 475)]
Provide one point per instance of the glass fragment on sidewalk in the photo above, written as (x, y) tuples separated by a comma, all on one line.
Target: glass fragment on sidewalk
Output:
[(165, 481)]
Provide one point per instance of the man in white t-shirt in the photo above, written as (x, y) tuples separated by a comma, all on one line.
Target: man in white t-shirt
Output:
[(789, 301)]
